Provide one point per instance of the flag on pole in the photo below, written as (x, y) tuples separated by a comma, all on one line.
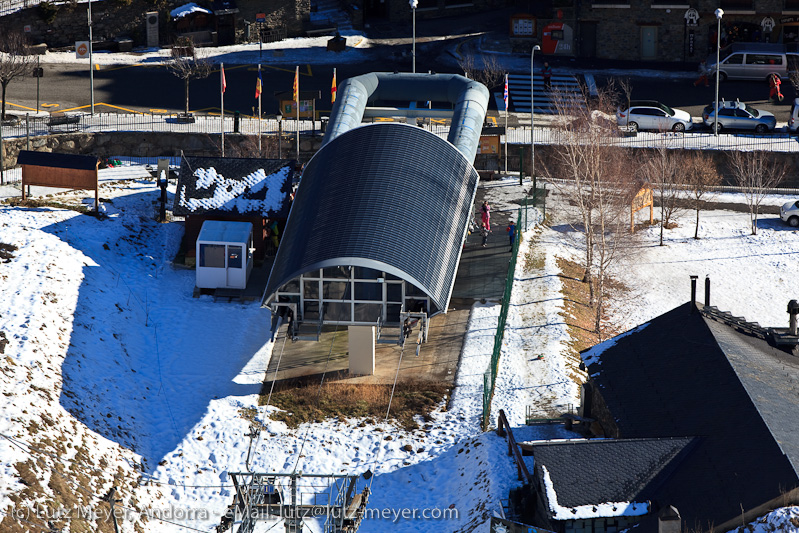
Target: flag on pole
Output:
[(258, 84), (296, 93), (224, 83), (333, 88), (506, 92)]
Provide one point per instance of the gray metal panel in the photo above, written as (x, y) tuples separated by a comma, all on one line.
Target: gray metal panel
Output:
[(384, 194)]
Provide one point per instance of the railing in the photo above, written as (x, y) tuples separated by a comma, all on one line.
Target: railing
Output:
[(513, 448), (517, 138), (490, 376)]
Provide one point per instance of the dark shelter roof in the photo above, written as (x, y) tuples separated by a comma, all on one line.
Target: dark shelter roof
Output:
[(596, 471), (388, 196), (684, 374), (54, 160), (244, 186)]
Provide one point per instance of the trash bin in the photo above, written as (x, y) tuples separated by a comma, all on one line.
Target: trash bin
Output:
[(324, 120)]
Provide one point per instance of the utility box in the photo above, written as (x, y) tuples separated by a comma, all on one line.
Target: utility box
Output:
[(224, 255)]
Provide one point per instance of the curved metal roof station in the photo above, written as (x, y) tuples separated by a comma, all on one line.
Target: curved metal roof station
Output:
[(387, 196)]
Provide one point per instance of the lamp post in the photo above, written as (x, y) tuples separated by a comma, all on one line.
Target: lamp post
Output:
[(719, 14), (279, 118), (536, 48), (91, 61), (414, 3)]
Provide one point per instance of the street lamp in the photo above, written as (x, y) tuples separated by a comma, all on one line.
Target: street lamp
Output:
[(91, 61), (719, 14), (414, 3), (536, 48)]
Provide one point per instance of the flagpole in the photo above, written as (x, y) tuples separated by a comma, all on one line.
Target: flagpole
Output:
[(259, 109), (505, 95), (297, 77), (222, 96)]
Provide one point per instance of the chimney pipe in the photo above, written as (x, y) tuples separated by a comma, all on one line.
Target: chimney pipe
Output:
[(707, 291), (793, 310), (693, 294)]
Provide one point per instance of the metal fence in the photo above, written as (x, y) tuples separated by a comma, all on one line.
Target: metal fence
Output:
[(523, 221), (11, 6), (517, 138), (35, 126)]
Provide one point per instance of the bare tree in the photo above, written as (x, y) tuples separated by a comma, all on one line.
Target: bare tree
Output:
[(486, 69), (15, 61), (188, 64), (701, 176), (627, 88), (663, 171), (755, 173), (599, 182)]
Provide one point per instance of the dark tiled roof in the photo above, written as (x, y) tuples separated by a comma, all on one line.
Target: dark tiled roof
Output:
[(245, 186), (54, 160), (673, 378), (391, 197), (600, 470)]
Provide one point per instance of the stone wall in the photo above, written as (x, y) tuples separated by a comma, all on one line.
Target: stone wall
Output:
[(113, 19), (138, 144), (619, 27)]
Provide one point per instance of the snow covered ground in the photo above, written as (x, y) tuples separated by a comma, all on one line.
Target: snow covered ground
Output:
[(114, 375)]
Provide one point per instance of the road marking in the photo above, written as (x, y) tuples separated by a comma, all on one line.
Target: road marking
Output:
[(159, 111), (102, 104), (492, 119), (51, 105), (127, 66)]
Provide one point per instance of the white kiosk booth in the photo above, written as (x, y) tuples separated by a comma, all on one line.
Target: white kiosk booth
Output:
[(224, 255)]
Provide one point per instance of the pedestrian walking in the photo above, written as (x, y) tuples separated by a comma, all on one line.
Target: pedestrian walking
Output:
[(511, 233), (704, 72), (484, 234), (546, 73), (485, 215), (774, 83)]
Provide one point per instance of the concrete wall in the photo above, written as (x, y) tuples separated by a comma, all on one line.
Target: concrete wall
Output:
[(143, 144)]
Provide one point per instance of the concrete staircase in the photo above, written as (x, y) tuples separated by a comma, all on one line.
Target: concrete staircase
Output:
[(329, 14)]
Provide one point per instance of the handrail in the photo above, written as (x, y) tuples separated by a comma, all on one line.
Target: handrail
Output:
[(513, 448)]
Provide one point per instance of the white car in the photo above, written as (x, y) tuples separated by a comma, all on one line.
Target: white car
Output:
[(651, 115), (790, 213)]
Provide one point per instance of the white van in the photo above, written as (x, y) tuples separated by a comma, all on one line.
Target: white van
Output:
[(750, 61)]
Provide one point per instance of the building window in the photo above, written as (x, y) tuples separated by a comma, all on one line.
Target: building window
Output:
[(212, 255)]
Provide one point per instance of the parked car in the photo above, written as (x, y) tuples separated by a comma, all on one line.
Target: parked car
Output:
[(739, 116), (651, 115), (790, 213), (793, 119)]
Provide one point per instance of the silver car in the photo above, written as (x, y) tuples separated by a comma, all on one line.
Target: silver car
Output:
[(651, 115), (790, 213), (739, 116)]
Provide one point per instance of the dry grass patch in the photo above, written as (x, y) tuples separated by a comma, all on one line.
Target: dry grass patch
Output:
[(40, 202), (579, 316), (303, 401)]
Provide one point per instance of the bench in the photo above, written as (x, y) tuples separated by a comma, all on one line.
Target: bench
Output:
[(70, 121)]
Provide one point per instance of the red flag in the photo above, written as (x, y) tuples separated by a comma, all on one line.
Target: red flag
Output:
[(506, 92), (297, 85), (333, 89), (224, 83), (258, 84)]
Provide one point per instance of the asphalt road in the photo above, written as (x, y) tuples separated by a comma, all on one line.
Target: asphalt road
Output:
[(683, 95), (153, 88)]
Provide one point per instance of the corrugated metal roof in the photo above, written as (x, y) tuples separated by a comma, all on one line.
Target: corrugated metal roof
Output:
[(680, 376), (247, 186), (387, 196), (225, 231), (54, 160)]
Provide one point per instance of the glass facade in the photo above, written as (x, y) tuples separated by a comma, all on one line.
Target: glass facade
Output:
[(352, 295)]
